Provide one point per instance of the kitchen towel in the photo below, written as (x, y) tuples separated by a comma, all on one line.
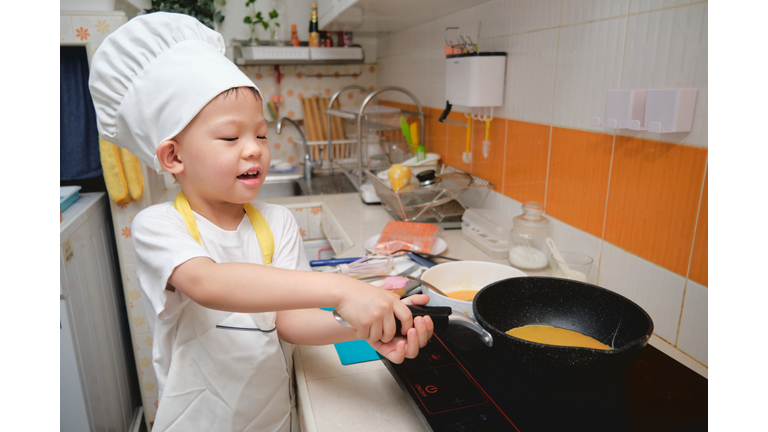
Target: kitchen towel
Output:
[(122, 173), (357, 351)]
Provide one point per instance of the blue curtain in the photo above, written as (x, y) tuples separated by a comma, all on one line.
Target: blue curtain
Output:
[(79, 146)]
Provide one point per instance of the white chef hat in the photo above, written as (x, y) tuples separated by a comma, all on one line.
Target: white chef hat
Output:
[(152, 76)]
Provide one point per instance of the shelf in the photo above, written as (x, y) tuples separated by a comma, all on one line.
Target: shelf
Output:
[(290, 55)]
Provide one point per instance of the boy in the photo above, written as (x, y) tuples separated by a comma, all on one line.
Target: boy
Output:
[(221, 274)]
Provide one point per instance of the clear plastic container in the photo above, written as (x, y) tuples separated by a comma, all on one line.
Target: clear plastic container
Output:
[(488, 230), (527, 243)]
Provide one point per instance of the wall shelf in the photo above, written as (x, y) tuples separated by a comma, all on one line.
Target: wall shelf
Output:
[(290, 55)]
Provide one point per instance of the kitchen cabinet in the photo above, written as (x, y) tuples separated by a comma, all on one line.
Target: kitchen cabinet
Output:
[(384, 15), (98, 380)]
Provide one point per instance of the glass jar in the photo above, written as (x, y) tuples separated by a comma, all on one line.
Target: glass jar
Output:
[(528, 248)]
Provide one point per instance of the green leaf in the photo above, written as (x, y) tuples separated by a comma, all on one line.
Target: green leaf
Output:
[(277, 24), (247, 20), (273, 14), (266, 25)]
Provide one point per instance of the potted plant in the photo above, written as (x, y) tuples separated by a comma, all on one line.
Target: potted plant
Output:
[(256, 18), (203, 10)]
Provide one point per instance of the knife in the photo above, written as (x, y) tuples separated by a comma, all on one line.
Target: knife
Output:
[(438, 314)]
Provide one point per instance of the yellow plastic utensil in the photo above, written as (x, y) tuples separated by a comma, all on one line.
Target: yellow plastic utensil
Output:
[(467, 156)]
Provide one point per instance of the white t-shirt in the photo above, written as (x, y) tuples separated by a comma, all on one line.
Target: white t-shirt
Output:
[(162, 242)]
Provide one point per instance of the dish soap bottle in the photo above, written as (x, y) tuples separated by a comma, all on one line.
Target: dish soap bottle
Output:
[(528, 241)]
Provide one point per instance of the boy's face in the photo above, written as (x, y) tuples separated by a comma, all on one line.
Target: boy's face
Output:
[(224, 150)]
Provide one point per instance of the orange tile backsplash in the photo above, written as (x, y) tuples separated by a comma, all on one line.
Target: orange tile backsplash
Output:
[(525, 174), (640, 195), (654, 199), (577, 186), (699, 263)]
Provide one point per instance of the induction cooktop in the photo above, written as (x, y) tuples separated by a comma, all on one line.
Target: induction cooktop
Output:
[(458, 384)]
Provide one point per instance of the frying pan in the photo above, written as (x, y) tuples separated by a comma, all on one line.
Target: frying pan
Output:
[(588, 309)]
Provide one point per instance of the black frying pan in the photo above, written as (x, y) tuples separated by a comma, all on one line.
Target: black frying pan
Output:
[(594, 311)]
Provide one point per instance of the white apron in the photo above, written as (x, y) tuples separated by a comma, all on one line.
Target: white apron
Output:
[(228, 371)]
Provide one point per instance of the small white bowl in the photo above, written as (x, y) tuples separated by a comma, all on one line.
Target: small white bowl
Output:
[(463, 275)]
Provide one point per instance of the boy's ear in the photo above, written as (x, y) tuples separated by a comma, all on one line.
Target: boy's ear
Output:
[(168, 155)]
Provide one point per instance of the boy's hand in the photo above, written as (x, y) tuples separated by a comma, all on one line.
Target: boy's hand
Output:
[(400, 348), (371, 311)]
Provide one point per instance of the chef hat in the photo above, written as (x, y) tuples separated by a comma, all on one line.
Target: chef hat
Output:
[(152, 76)]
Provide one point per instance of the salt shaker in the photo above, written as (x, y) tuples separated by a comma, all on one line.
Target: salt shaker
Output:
[(527, 244)]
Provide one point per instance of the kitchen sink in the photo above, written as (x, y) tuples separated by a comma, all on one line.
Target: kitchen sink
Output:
[(328, 185), (321, 184)]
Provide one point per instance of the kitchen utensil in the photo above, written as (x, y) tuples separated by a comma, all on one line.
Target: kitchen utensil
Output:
[(431, 189), (487, 142), (406, 272), (426, 262), (467, 155), (579, 266), (463, 275), (556, 253), (369, 265), (588, 309), (439, 316), (437, 247), (406, 132)]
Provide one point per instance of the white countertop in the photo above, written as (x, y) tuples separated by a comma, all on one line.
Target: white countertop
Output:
[(364, 396)]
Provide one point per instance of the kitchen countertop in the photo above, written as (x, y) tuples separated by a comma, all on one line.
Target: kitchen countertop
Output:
[(364, 396)]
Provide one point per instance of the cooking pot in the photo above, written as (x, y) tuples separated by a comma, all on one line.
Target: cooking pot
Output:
[(588, 309)]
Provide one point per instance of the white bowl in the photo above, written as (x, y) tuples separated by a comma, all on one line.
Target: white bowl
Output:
[(464, 275)]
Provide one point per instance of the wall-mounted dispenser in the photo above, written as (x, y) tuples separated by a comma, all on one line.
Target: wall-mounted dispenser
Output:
[(473, 79), (659, 111)]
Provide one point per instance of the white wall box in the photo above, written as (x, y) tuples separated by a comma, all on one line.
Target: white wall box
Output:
[(668, 111), (621, 108), (475, 80)]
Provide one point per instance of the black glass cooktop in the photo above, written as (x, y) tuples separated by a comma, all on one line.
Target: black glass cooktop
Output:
[(458, 384)]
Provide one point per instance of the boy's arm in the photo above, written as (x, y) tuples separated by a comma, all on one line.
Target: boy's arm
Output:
[(318, 327), (253, 288)]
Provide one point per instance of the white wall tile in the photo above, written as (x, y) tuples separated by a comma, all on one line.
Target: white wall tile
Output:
[(530, 15), (571, 239), (668, 49), (588, 63), (530, 80), (581, 11), (637, 6), (693, 335), (657, 290), (66, 32)]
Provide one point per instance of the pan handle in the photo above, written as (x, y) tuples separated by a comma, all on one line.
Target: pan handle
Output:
[(465, 321)]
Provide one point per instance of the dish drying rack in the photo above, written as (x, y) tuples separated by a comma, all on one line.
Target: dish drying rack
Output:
[(378, 135), (445, 209)]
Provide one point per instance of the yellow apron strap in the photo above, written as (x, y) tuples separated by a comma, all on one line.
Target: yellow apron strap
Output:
[(182, 205), (260, 226), (263, 232)]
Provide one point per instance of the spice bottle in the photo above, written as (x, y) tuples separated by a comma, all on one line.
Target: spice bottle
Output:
[(528, 241), (314, 32), (294, 36)]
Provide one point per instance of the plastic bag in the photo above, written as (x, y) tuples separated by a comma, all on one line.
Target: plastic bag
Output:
[(413, 236)]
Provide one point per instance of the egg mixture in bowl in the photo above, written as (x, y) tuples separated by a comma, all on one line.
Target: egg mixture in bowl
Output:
[(461, 280)]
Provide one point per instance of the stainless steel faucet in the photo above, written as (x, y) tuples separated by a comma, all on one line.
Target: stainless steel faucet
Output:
[(308, 164)]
